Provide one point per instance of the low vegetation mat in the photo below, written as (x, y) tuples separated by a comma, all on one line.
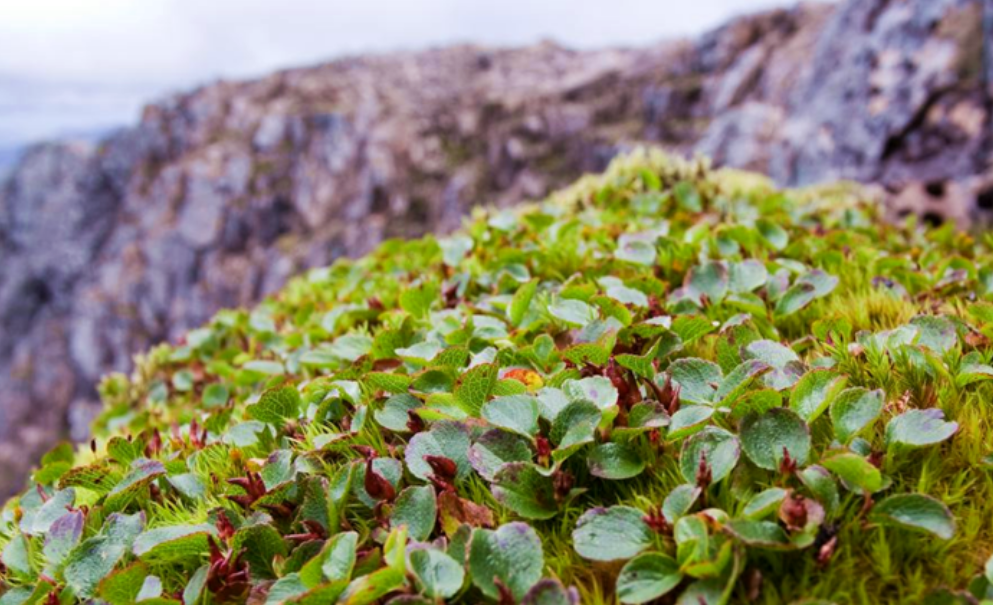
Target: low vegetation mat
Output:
[(664, 384)]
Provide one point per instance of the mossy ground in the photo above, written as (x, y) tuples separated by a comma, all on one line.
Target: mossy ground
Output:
[(617, 378)]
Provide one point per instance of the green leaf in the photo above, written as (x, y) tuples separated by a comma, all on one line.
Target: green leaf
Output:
[(339, 557), (189, 485), (719, 448), (350, 347), (812, 285), (551, 401), (264, 367), (16, 555), (123, 450), (418, 300), (626, 295), (549, 591), (512, 553), (151, 592), (643, 417), (275, 406), (394, 413), (285, 589), (123, 586), (822, 486), (416, 508), (521, 302), (635, 248), (709, 279), (369, 589), (20, 595), (448, 439), (95, 478), (785, 363), (278, 469), (215, 395), (420, 353), (853, 410), (52, 510), (597, 389), (438, 575), (135, 483), (611, 534), (917, 512), (822, 282), (747, 275), (935, 332), (689, 420), (814, 393), (516, 413), (680, 501), (262, 544), (689, 328), (738, 380), (919, 428), (760, 534), (587, 352), (688, 197), (764, 503), (615, 461), (244, 434), (387, 381), (523, 489), (647, 577), (196, 585), (63, 536), (795, 298), (172, 543), (574, 426), (475, 386), (698, 379), (573, 312), (96, 557), (455, 248), (496, 448), (775, 236), (855, 470), (765, 438)]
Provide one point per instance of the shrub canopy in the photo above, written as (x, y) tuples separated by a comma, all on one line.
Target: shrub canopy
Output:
[(665, 381)]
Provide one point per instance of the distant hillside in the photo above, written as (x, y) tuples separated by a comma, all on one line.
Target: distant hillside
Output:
[(217, 196), (8, 160)]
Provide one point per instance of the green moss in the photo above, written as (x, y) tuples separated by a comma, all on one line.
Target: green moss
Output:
[(732, 339)]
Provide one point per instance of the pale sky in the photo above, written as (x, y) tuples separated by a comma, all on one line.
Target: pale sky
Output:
[(77, 66)]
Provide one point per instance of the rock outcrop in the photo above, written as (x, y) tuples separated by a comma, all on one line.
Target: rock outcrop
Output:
[(217, 196)]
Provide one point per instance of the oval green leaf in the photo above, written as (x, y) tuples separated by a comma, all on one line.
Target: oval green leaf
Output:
[(615, 461), (916, 512), (720, 448), (766, 438), (512, 554), (611, 534), (853, 410), (647, 577)]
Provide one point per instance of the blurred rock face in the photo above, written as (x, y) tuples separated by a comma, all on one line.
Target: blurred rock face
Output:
[(219, 195)]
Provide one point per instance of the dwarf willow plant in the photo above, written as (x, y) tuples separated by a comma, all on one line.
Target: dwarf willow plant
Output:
[(663, 383)]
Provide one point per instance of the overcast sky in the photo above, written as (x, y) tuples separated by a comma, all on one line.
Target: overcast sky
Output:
[(80, 66)]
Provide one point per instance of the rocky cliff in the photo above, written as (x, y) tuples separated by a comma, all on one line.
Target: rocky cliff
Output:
[(217, 196)]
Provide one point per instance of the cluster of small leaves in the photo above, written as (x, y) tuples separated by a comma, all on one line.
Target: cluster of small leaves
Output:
[(663, 383)]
